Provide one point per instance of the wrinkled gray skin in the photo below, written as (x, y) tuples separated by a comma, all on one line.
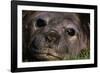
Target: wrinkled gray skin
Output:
[(51, 41)]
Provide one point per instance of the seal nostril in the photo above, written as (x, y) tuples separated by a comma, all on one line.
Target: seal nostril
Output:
[(52, 36), (48, 38)]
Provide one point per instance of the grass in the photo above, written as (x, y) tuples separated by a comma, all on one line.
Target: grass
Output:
[(84, 54)]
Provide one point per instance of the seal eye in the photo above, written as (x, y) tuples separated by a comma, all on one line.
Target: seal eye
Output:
[(70, 31), (40, 23)]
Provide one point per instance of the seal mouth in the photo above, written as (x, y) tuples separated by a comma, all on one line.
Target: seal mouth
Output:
[(48, 53), (51, 55)]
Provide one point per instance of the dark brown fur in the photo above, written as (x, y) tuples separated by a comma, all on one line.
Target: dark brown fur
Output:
[(50, 41)]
